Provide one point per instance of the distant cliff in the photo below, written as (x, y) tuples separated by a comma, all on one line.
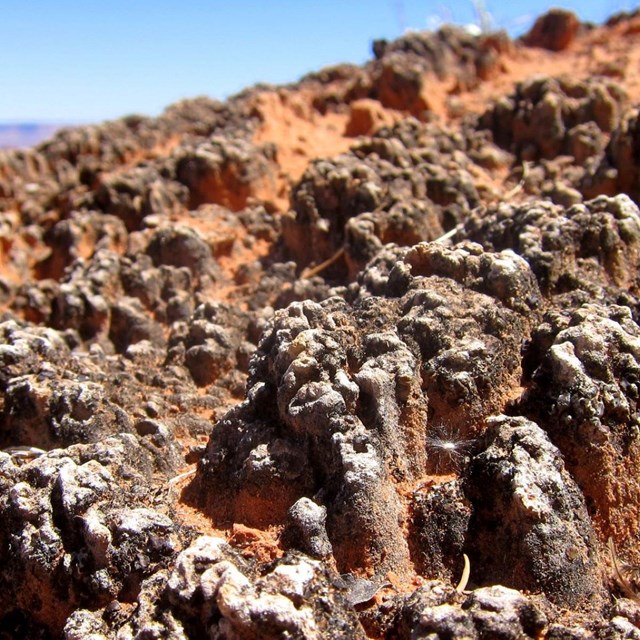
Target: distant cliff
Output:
[(25, 134)]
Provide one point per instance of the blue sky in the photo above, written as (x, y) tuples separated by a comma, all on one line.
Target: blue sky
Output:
[(86, 61)]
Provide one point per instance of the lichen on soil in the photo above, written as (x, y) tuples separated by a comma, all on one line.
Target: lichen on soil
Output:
[(277, 367)]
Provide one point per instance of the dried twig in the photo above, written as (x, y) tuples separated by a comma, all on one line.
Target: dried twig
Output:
[(24, 453), (449, 235), (182, 476), (623, 583), (309, 272), (466, 572), (520, 185)]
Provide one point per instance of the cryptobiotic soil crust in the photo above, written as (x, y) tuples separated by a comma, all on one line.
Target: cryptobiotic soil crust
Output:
[(353, 357)]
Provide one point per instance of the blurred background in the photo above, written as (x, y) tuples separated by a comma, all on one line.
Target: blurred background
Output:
[(75, 62)]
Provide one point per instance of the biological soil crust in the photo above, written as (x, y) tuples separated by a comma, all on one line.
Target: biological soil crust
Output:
[(357, 356)]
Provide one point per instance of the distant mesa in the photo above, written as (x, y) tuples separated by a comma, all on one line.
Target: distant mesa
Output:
[(25, 134)]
